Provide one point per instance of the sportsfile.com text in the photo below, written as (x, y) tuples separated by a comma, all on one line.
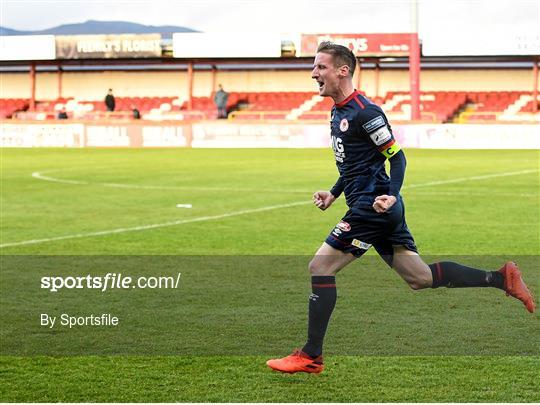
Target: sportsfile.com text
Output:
[(108, 281)]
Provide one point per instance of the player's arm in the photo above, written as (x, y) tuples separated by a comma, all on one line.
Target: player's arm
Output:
[(324, 199), (398, 164), (392, 151), (377, 128), (338, 188)]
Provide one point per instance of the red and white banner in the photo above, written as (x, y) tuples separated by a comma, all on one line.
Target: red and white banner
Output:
[(360, 44)]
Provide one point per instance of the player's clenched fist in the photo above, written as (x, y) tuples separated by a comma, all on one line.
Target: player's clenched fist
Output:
[(383, 203), (323, 199)]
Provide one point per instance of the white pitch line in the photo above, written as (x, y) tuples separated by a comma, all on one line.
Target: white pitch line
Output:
[(41, 176), (462, 179), (467, 194), (38, 175), (154, 226), (231, 214)]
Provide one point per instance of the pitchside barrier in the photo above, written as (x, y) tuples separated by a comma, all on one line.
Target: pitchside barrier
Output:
[(217, 134)]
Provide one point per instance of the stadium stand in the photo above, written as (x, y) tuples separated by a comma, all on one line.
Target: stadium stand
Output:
[(436, 106), (530, 104), (493, 101), (270, 105), (8, 106), (154, 108), (498, 106)]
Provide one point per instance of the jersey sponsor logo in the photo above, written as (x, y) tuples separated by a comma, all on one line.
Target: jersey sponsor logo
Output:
[(374, 124), (344, 226), (339, 149), (344, 125), (381, 136), (360, 244)]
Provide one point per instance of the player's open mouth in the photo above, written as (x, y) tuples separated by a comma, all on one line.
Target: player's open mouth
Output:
[(321, 85)]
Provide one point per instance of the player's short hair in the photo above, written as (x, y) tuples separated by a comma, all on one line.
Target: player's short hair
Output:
[(340, 54)]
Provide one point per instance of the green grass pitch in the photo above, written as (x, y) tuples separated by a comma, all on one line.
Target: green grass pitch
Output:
[(249, 235)]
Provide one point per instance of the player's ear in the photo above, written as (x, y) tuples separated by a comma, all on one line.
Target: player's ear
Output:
[(344, 71)]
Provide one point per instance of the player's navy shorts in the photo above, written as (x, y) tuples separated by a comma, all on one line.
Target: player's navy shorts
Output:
[(362, 227)]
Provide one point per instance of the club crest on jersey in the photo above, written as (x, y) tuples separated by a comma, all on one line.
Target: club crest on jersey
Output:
[(344, 125), (344, 226)]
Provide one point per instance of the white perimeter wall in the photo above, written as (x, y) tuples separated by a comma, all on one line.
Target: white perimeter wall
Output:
[(256, 135)]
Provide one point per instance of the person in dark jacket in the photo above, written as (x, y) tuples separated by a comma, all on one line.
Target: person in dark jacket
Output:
[(62, 114), (135, 111), (110, 101), (220, 99)]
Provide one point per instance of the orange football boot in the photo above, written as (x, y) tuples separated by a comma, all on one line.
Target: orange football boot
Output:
[(297, 362), (515, 286)]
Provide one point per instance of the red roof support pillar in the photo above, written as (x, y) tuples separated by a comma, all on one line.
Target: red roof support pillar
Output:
[(214, 74), (414, 75), (377, 78), (59, 78), (190, 85), (535, 85), (32, 105)]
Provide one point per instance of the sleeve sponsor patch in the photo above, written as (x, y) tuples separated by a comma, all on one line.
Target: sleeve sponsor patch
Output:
[(360, 244), (381, 136), (374, 124)]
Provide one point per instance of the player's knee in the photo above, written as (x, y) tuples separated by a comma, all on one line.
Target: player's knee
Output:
[(316, 267), (419, 283), (415, 286)]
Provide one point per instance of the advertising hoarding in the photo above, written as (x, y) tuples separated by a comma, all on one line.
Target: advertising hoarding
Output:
[(108, 46), (360, 44)]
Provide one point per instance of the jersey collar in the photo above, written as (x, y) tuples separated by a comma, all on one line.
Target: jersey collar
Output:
[(342, 103)]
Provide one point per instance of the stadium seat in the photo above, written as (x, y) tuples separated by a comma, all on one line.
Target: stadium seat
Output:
[(436, 106), (8, 106)]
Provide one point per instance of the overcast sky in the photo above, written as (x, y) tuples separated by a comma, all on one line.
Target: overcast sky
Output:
[(284, 16)]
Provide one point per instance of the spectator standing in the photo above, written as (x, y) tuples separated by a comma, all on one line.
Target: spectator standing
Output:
[(220, 99), (110, 102)]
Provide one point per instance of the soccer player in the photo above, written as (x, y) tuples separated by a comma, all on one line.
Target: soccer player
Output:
[(362, 141)]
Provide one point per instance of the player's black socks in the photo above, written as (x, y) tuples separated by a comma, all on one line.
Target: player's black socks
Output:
[(321, 304), (455, 275)]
